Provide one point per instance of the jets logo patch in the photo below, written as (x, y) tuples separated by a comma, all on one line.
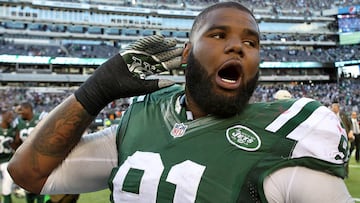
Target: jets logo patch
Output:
[(243, 138)]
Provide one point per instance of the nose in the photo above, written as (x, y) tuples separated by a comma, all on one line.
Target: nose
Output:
[(234, 45)]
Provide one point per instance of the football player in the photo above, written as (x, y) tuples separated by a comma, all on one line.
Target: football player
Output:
[(26, 123), (7, 148), (200, 143)]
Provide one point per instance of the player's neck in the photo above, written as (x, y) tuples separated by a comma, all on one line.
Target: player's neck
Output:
[(192, 107)]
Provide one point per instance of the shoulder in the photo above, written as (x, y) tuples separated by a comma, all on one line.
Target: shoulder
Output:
[(18, 122), (15, 122), (303, 100), (159, 95), (288, 107), (289, 115), (153, 101), (315, 129), (284, 117)]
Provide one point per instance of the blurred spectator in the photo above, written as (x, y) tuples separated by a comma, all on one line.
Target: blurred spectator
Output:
[(282, 94)]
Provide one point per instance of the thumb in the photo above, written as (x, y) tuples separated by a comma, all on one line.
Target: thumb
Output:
[(162, 83)]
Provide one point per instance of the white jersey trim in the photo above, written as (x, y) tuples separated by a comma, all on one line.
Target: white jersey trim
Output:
[(288, 114)]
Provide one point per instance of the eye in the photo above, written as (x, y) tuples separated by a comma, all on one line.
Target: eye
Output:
[(218, 35), (250, 43)]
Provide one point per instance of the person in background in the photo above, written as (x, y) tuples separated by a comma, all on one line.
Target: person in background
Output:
[(335, 107), (282, 94), (200, 143), (344, 119), (7, 148), (27, 121), (355, 145)]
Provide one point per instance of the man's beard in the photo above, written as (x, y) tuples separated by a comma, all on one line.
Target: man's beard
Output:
[(200, 88)]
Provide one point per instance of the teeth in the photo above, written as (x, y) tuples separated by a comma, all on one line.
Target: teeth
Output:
[(228, 81)]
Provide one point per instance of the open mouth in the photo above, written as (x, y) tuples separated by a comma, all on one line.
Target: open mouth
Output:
[(229, 76)]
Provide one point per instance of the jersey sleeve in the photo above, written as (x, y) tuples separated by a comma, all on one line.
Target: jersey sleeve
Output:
[(319, 140), (321, 136), (316, 130), (87, 167), (284, 186)]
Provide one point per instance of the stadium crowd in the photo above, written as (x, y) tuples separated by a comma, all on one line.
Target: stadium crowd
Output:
[(347, 92), (323, 48), (45, 101), (294, 5), (269, 53)]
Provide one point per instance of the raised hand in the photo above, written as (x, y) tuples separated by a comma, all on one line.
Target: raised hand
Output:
[(151, 55), (123, 75)]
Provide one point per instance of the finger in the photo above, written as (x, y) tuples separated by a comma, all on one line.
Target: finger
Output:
[(146, 42), (174, 63), (165, 45), (169, 54), (165, 83)]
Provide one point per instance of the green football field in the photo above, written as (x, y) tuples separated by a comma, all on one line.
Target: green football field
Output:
[(353, 183)]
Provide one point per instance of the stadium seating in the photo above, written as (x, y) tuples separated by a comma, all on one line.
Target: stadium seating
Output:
[(98, 29)]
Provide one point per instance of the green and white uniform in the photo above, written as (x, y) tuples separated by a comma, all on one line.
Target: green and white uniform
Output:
[(25, 127), (7, 136), (163, 157), (157, 155)]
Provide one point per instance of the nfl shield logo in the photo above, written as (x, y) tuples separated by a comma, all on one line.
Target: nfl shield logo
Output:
[(178, 130)]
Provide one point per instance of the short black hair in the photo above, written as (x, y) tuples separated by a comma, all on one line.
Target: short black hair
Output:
[(203, 14), (26, 105)]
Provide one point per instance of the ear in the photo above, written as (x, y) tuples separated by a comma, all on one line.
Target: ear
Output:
[(185, 52)]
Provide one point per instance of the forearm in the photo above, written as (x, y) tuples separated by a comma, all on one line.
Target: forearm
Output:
[(49, 144)]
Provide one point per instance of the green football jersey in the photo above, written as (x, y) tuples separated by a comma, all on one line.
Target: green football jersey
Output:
[(25, 127), (7, 136), (163, 157)]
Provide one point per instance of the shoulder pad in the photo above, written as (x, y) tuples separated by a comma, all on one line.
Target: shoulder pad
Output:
[(162, 93)]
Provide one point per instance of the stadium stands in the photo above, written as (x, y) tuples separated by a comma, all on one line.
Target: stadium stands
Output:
[(347, 92), (295, 33), (90, 22)]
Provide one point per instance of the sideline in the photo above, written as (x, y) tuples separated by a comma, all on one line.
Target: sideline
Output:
[(354, 165)]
